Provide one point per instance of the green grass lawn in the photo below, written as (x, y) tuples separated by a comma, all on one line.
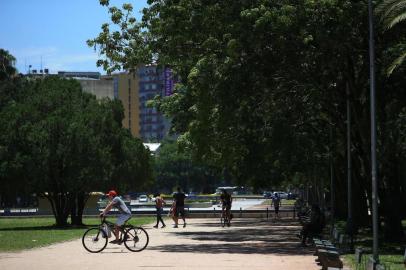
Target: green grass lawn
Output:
[(24, 233), (390, 253), (392, 262), (284, 202)]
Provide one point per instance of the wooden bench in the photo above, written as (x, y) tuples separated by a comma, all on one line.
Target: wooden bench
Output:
[(330, 261), (327, 254), (323, 245)]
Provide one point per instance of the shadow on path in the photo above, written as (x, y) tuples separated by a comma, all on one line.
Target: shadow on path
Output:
[(249, 236)]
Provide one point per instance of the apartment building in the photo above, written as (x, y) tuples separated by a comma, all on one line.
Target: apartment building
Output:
[(153, 81), (126, 89)]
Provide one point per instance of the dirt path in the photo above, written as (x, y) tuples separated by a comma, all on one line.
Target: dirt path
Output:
[(248, 244)]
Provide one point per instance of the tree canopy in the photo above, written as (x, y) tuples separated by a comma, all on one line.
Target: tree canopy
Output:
[(7, 65), (262, 84), (61, 143)]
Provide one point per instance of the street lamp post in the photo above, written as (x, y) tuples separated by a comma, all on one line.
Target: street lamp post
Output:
[(349, 173), (373, 134), (332, 184)]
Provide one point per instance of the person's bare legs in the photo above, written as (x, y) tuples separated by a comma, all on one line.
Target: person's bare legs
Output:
[(116, 233), (175, 219)]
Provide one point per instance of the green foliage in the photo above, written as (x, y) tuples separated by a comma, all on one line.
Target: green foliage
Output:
[(392, 13), (174, 167), (263, 85), (7, 65), (62, 143)]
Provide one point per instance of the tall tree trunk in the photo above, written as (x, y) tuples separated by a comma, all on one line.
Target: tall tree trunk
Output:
[(82, 199), (393, 229), (78, 205), (73, 209), (391, 201), (61, 204)]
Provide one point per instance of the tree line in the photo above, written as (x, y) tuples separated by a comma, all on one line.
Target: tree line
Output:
[(62, 144)]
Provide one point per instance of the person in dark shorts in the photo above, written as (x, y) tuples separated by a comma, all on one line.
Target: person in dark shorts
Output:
[(276, 201), (226, 201), (179, 198)]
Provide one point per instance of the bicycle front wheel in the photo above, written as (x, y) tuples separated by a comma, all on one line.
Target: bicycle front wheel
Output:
[(136, 239), (94, 240)]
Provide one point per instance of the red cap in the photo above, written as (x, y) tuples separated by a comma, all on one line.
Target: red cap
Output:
[(112, 193)]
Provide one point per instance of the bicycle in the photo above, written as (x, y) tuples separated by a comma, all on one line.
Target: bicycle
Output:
[(134, 238)]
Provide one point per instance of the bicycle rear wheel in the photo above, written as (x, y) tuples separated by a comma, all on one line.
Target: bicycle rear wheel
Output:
[(222, 221), (94, 240), (136, 239)]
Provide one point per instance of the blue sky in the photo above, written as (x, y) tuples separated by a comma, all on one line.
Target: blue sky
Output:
[(55, 30)]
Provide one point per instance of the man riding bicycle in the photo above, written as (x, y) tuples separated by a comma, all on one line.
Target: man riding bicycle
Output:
[(226, 201), (125, 213)]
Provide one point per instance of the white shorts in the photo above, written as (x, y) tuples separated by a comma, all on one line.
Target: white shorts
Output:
[(122, 218)]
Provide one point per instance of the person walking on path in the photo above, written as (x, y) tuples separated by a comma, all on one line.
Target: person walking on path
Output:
[(159, 204), (276, 201), (226, 201), (179, 199)]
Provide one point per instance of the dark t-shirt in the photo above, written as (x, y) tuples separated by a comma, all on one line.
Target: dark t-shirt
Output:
[(179, 199), (225, 198), (276, 202)]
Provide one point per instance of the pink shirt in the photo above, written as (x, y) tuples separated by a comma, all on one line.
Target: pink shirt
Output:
[(159, 202)]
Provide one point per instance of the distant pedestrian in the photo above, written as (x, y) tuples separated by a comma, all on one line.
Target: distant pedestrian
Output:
[(276, 201), (179, 199), (172, 210), (159, 204), (226, 202)]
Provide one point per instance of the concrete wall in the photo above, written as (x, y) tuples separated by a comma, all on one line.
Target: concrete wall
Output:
[(91, 208), (99, 88)]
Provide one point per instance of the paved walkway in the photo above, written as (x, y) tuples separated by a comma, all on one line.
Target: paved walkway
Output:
[(203, 244)]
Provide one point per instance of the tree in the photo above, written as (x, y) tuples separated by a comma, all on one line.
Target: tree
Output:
[(7, 65), (174, 167), (70, 143), (392, 13)]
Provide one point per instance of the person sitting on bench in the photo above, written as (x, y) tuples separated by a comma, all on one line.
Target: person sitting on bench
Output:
[(314, 225)]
